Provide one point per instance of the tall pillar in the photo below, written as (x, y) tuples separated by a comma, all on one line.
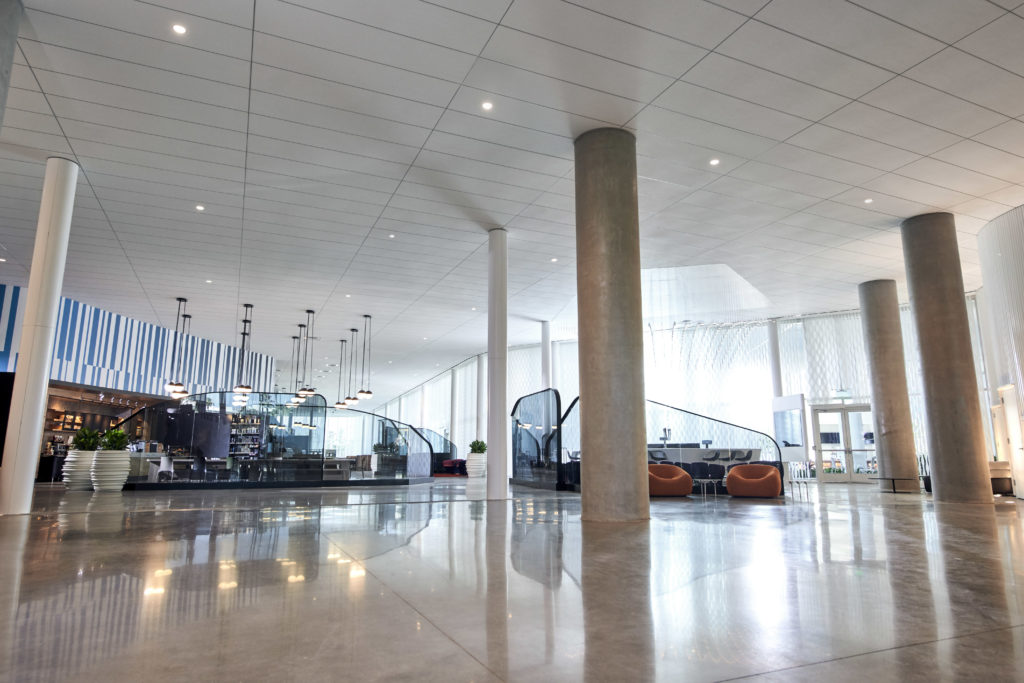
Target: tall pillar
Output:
[(453, 412), (545, 355), (774, 358), (10, 20), (28, 399), (956, 441), (890, 402), (497, 350), (481, 399), (611, 345)]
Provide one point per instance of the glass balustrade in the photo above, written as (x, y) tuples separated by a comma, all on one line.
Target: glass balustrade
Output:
[(218, 439), (706, 447)]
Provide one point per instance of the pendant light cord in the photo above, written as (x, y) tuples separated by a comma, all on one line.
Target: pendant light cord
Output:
[(341, 367), (369, 349), (362, 378), (352, 361)]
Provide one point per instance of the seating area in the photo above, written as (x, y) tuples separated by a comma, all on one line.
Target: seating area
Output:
[(740, 479)]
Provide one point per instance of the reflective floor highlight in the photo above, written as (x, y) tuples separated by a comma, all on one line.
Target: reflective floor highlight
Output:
[(429, 582)]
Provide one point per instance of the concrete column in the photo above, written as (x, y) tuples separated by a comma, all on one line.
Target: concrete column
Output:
[(545, 355), (956, 440), (774, 358), (32, 377), (890, 402), (611, 345), (481, 399), (10, 20), (497, 351)]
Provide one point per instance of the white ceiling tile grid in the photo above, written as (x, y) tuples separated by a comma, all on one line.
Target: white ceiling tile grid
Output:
[(345, 163)]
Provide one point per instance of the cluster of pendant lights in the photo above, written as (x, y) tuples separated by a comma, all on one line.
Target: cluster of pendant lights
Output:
[(358, 373), (356, 378), (358, 368), (182, 326), (242, 389)]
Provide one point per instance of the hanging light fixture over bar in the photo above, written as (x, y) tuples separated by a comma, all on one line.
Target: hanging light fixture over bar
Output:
[(186, 327), (352, 398), (341, 405), (300, 378), (242, 387), (365, 393), (294, 400), (174, 385), (306, 390)]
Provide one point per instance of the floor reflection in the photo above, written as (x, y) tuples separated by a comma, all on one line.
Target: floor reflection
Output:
[(437, 582)]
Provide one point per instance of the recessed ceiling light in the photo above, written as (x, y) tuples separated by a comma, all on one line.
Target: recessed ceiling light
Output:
[(200, 207), (715, 162), (391, 236), (179, 29), (348, 296), (424, 339), (554, 260), (209, 282), (474, 308), (868, 200), (487, 106), (3, 260), (389, 362)]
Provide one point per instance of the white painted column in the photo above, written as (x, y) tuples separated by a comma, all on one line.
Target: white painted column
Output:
[(545, 355), (481, 399), (28, 400), (497, 350), (774, 358), (453, 416)]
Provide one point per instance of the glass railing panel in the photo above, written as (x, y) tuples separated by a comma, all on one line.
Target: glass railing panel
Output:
[(536, 444), (703, 445), (442, 449)]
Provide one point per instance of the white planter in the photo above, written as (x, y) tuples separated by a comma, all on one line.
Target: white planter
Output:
[(476, 464), (78, 470), (110, 470)]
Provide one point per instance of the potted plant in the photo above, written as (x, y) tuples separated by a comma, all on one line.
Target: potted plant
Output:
[(78, 464), (112, 462), (476, 463)]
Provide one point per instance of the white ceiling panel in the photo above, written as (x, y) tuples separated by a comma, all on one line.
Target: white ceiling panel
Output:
[(974, 79), (571, 65), (852, 30), (946, 20), (803, 60)]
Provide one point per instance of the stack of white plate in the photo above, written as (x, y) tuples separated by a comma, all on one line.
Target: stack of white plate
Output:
[(110, 470), (78, 470)]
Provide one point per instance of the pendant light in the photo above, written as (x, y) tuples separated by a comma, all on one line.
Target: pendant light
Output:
[(352, 398), (341, 405), (300, 383), (306, 390), (365, 393), (174, 385), (241, 387), (294, 400), (186, 327)]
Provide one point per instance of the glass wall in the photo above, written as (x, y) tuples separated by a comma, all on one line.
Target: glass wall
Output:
[(720, 370), (213, 439)]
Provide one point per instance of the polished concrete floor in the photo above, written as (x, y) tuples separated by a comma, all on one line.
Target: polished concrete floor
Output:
[(425, 583)]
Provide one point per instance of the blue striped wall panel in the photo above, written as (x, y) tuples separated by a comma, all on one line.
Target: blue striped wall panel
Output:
[(96, 347)]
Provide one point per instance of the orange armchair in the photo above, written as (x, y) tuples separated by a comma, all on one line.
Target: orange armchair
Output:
[(754, 481), (669, 480)]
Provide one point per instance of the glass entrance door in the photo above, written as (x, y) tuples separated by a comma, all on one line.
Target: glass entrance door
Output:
[(844, 443)]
